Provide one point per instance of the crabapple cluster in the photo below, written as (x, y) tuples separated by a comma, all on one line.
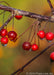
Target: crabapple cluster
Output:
[(49, 35), (11, 35), (41, 34), (27, 46), (34, 47), (5, 36)]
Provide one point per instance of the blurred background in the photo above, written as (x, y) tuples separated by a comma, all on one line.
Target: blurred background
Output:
[(13, 57)]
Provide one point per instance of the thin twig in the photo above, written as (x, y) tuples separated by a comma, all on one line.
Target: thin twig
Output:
[(33, 59), (6, 22), (26, 29), (50, 4), (4, 2), (35, 30), (30, 33), (3, 17)]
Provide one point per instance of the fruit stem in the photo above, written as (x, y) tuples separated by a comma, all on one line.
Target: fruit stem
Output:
[(26, 30), (30, 33), (45, 26)]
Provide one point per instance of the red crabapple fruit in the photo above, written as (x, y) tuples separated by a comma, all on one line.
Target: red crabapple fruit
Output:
[(12, 35), (41, 34), (18, 17), (26, 45), (34, 47)]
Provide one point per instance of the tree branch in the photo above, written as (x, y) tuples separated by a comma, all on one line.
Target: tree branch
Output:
[(49, 2), (6, 22), (21, 69), (26, 13)]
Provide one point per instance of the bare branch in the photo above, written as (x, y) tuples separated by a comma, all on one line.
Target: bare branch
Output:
[(6, 22), (26, 13), (49, 2), (32, 59)]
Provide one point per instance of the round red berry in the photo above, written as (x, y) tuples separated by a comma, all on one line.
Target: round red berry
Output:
[(0, 32), (4, 40), (18, 17), (41, 34), (3, 32), (52, 56), (34, 47), (26, 45), (49, 36), (12, 35)]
